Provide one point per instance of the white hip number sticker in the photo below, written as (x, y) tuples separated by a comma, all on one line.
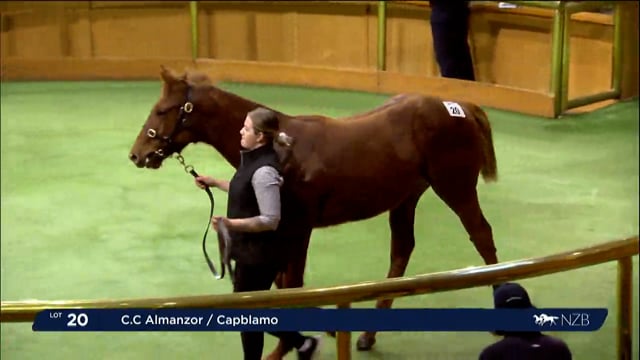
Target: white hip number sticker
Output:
[(454, 108)]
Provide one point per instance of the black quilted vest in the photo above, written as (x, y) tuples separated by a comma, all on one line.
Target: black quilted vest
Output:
[(260, 248)]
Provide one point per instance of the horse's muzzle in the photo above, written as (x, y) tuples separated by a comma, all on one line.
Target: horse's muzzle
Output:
[(139, 162), (152, 160)]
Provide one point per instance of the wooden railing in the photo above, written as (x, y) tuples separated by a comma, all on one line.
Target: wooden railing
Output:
[(562, 12), (387, 72), (620, 250)]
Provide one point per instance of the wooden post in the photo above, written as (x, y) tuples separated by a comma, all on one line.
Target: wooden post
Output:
[(343, 340), (625, 308)]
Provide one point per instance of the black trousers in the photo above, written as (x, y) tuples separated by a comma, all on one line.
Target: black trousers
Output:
[(255, 278), (450, 29)]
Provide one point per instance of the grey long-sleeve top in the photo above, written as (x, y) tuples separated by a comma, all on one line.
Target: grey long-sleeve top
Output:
[(266, 183)]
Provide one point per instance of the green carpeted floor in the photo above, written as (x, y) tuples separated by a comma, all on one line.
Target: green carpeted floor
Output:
[(80, 221)]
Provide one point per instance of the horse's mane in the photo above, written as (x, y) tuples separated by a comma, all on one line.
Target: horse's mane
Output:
[(198, 78), (388, 103), (350, 119)]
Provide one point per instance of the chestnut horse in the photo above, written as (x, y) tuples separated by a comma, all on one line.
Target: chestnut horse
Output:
[(342, 170)]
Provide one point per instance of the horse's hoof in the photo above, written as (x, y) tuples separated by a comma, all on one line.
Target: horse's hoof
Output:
[(273, 356), (331, 333), (365, 342)]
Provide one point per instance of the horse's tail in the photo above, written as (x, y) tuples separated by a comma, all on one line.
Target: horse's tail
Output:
[(490, 167)]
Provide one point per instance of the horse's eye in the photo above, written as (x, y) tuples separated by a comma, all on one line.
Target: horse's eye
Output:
[(161, 112)]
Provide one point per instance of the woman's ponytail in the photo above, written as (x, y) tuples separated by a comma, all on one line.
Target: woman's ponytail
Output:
[(283, 139)]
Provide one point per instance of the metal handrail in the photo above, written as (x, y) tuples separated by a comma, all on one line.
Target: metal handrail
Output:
[(25, 311), (344, 295)]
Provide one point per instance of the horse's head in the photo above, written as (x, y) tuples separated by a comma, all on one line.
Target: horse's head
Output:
[(171, 124)]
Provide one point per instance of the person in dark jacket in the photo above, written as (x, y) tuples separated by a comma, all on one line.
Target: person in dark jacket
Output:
[(522, 345), (450, 30), (253, 216)]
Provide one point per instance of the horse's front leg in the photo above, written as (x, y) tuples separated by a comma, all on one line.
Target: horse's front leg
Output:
[(279, 281), (401, 220)]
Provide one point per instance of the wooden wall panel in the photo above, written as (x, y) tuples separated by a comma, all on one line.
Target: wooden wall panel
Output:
[(313, 34), (335, 38), (5, 31), (512, 52), (274, 40), (522, 59), (482, 43), (204, 25), (79, 34), (591, 60), (409, 41), (141, 33), (136, 4), (231, 34), (88, 69), (14, 6), (34, 35), (517, 52), (250, 31)]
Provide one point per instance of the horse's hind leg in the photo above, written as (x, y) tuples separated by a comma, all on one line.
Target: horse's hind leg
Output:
[(460, 194), (293, 277), (401, 221), (279, 281)]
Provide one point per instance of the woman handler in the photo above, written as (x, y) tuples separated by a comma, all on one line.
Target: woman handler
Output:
[(253, 216)]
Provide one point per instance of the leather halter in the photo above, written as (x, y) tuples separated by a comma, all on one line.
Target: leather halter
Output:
[(185, 110), (224, 240)]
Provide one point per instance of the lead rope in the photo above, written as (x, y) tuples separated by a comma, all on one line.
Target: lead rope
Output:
[(224, 248)]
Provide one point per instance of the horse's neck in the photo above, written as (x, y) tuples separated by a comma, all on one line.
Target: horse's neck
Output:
[(226, 118)]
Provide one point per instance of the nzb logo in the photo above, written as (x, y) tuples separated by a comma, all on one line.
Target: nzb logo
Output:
[(543, 319), (568, 320)]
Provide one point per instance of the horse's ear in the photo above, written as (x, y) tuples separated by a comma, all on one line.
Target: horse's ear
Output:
[(186, 75), (167, 74)]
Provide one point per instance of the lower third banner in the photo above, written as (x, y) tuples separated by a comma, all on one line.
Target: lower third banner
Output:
[(317, 319)]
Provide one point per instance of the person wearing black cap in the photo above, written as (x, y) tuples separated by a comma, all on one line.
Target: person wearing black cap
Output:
[(522, 345), (450, 29)]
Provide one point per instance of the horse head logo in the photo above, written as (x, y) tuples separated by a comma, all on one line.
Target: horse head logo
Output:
[(543, 319)]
